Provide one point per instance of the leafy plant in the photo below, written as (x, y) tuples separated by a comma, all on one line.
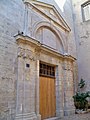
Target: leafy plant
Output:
[(80, 99), (82, 83)]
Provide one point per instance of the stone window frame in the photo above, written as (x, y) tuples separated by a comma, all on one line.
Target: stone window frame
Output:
[(82, 10)]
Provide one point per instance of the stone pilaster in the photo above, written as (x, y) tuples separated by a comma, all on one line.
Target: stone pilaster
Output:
[(25, 103), (59, 90), (68, 88), (37, 91)]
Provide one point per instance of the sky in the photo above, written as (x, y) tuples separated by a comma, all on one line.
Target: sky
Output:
[(60, 3)]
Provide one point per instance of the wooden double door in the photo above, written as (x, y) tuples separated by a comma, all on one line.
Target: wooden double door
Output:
[(47, 97)]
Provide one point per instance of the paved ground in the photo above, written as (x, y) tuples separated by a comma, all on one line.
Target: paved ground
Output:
[(78, 117)]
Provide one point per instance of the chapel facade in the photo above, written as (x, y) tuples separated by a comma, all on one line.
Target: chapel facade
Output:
[(38, 75)]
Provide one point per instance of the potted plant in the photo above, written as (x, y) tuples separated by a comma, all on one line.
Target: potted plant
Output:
[(80, 98)]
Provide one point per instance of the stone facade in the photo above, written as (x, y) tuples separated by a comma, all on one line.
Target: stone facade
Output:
[(82, 35), (31, 32)]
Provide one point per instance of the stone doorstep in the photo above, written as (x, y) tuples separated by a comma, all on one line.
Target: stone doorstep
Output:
[(82, 112), (27, 116), (53, 118)]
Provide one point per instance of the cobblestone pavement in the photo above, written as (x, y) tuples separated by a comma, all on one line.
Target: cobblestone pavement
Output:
[(78, 117)]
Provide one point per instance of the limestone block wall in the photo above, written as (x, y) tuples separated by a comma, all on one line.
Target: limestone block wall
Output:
[(82, 33), (11, 21)]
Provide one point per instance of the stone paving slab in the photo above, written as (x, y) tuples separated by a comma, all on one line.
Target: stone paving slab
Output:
[(77, 117)]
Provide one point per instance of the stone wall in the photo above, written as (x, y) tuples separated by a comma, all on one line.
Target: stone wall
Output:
[(82, 33), (68, 13), (11, 21)]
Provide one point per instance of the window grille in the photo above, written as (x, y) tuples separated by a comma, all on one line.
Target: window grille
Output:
[(47, 70)]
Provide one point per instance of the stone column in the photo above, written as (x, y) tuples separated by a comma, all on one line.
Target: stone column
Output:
[(68, 88)]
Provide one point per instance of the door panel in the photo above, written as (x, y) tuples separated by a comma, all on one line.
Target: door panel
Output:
[(47, 97)]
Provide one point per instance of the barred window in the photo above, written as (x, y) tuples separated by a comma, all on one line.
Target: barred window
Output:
[(47, 70)]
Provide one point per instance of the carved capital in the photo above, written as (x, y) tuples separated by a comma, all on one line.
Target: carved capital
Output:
[(25, 54), (67, 66)]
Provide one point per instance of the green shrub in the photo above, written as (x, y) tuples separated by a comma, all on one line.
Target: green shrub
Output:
[(80, 99)]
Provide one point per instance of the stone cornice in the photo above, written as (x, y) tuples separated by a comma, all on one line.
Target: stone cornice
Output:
[(43, 48), (66, 27), (27, 40)]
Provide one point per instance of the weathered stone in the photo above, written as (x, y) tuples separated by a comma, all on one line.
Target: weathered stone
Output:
[(31, 32)]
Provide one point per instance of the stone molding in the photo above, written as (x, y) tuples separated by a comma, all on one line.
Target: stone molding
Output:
[(43, 48), (51, 27), (33, 6)]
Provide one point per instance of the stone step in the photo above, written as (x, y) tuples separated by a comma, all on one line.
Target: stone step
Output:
[(27, 116), (53, 118)]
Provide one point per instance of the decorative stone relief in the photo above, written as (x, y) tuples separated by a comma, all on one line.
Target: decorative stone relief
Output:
[(24, 53)]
